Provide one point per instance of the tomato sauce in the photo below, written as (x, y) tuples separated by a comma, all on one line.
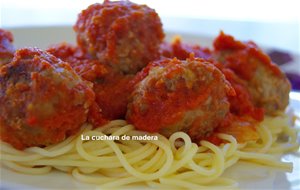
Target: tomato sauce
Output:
[(182, 51), (243, 57)]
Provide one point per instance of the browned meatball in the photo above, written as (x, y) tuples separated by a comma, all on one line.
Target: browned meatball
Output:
[(6, 47), (42, 99), (86, 68), (174, 95), (121, 34), (269, 90), (268, 86)]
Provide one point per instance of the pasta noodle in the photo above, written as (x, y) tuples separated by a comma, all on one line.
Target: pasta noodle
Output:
[(174, 162)]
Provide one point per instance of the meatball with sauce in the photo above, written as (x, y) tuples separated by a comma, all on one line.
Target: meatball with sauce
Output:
[(42, 99), (112, 89), (268, 87), (121, 34), (87, 68), (241, 104), (6, 47), (174, 95)]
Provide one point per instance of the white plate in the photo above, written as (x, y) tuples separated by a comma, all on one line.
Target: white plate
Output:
[(249, 176)]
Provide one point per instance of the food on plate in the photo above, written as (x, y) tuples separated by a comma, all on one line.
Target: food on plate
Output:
[(182, 50), (268, 86), (111, 88), (42, 99), (112, 94), (89, 69), (6, 47), (121, 34), (175, 95), (123, 107)]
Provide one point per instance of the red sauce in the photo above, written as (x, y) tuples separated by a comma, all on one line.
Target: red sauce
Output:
[(243, 128), (112, 93), (95, 116), (182, 51), (242, 103), (88, 68), (243, 57)]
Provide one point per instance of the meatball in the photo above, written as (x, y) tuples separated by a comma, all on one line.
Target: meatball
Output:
[(268, 87), (42, 99), (87, 68), (121, 34), (6, 47), (174, 95)]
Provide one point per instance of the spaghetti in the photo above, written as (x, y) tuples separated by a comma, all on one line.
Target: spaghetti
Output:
[(173, 162)]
